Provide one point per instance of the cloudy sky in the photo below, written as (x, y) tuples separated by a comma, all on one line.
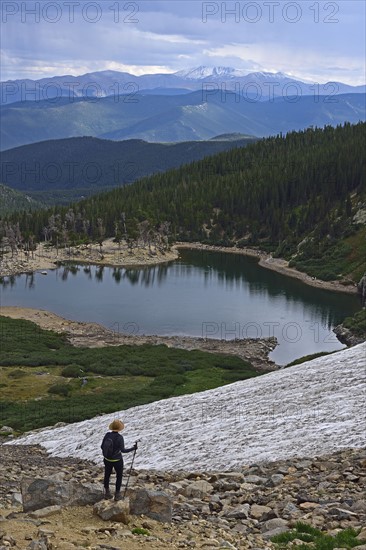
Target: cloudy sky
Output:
[(318, 40)]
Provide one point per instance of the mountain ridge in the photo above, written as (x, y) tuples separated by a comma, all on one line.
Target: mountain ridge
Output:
[(170, 118), (113, 83), (88, 164)]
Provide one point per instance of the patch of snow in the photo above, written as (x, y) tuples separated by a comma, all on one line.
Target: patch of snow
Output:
[(278, 77), (202, 107), (306, 410), (198, 73)]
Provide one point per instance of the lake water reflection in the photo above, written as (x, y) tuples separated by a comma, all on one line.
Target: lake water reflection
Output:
[(207, 294)]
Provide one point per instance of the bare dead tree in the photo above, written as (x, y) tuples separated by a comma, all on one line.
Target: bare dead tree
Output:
[(144, 235), (11, 236), (164, 233), (101, 233), (64, 235)]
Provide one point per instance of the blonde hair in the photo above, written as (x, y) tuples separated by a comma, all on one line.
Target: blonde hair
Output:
[(116, 426)]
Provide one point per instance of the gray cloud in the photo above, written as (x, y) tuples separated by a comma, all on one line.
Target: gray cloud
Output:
[(170, 35)]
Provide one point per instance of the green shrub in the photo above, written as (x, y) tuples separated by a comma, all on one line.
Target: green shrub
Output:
[(308, 358), (318, 539), (357, 323), (72, 371), (59, 389), (140, 531), (151, 373), (17, 374)]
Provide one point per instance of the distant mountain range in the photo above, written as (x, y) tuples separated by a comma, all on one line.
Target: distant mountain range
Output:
[(172, 118), (260, 86), (58, 171)]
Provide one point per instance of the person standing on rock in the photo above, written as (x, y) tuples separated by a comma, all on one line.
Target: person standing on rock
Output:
[(113, 446)]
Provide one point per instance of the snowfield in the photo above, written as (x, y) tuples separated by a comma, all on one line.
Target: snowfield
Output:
[(307, 410)]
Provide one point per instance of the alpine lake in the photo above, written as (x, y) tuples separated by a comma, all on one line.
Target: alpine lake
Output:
[(202, 294)]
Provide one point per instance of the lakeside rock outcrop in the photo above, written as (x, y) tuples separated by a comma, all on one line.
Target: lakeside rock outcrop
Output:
[(239, 509), (362, 290), (347, 337)]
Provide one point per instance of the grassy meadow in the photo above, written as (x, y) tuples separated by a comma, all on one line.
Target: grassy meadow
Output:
[(45, 380)]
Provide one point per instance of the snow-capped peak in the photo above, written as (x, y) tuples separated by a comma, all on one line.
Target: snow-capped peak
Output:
[(306, 410), (261, 75), (229, 73), (205, 72)]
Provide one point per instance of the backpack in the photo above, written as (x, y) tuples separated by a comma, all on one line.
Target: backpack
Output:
[(107, 447)]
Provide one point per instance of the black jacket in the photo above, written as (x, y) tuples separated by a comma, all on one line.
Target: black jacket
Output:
[(118, 445)]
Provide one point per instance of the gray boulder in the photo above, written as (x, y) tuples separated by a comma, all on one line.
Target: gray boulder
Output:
[(197, 489), (45, 512), (41, 544), (113, 511), (257, 511), (6, 429), (45, 492), (256, 480), (276, 479), (240, 512), (277, 531), (153, 504), (276, 523)]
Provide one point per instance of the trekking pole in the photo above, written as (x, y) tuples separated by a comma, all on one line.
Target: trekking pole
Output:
[(129, 473)]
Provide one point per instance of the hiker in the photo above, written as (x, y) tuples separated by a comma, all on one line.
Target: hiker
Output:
[(113, 446)]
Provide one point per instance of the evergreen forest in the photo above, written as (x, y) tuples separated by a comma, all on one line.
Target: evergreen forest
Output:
[(300, 196)]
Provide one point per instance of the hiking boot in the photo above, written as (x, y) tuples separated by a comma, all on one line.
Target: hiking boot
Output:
[(107, 494), (118, 495)]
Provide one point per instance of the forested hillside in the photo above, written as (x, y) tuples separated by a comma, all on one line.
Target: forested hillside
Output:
[(61, 171), (12, 201), (162, 118), (301, 196)]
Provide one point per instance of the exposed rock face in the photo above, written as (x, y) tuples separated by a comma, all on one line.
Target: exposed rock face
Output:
[(362, 290), (345, 336), (241, 509)]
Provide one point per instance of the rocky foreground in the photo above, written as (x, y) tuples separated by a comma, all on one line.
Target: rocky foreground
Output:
[(240, 509)]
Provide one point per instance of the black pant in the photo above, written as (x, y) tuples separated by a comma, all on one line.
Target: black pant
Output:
[(108, 468)]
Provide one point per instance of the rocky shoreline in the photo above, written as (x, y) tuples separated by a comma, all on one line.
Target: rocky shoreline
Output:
[(275, 264), (110, 254), (240, 509), (92, 335)]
